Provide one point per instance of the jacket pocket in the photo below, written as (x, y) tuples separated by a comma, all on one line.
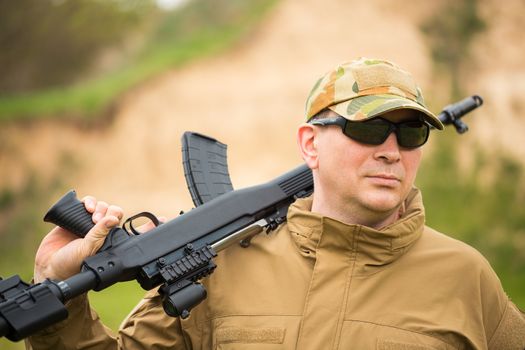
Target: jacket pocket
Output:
[(367, 335), (245, 336), (254, 332)]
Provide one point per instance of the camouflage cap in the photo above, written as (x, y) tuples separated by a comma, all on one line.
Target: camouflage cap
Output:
[(366, 88)]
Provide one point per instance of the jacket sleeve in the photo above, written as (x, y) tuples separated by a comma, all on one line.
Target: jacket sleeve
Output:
[(503, 324), (81, 330), (147, 327), (510, 334)]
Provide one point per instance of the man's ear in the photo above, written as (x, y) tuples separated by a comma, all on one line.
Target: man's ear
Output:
[(307, 138)]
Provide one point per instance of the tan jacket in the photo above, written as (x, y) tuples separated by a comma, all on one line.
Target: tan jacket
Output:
[(316, 283)]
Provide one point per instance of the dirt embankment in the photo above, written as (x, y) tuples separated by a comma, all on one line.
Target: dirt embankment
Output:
[(252, 98)]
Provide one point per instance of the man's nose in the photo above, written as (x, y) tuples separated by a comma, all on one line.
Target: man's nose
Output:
[(389, 150)]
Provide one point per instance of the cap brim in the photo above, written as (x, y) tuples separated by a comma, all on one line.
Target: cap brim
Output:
[(367, 107)]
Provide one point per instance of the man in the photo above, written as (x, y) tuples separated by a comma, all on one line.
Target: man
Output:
[(354, 267)]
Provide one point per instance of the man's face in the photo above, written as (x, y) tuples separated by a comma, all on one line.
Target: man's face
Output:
[(367, 179)]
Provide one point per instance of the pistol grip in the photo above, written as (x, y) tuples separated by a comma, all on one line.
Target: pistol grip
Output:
[(70, 214)]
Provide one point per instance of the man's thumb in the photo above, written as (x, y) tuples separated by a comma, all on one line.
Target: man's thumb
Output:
[(96, 236)]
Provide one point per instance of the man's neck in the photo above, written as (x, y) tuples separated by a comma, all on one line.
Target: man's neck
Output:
[(350, 215)]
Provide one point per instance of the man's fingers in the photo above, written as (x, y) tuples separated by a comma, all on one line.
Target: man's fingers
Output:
[(96, 236), (100, 211), (150, 225), (116, 211), (145, 227), (90, 203)]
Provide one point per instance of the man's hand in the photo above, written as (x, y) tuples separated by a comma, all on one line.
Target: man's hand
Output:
[(61, 252)]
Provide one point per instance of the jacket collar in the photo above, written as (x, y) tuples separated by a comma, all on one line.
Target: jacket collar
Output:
[(371, 248)]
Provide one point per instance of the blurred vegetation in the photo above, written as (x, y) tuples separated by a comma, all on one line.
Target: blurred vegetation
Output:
[(449, 34), (164, 39), (52, 43), (483, 205)]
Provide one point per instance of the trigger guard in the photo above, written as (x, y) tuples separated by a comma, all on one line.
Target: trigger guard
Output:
[(129, 221)]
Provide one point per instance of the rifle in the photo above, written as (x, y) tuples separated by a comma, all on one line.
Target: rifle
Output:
[(174, 255)]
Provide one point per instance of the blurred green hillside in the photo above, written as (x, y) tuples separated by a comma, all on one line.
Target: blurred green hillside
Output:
[(480, 203), (73, 59)]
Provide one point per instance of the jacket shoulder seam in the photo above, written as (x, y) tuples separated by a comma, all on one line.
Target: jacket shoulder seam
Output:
[(502, 317)]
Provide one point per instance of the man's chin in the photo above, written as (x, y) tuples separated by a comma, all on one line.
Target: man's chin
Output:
[(384, 203)]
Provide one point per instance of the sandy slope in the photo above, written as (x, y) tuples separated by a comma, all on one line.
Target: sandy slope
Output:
[(251, 98)]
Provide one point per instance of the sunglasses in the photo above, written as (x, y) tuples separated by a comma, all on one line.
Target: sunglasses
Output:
[(409, 134)]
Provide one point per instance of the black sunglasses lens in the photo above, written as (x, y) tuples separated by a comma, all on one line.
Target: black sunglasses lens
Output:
[(373, 132), (412, 134)]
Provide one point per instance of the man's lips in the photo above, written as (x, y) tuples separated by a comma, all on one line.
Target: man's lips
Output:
[(385, 176), (385, 179)]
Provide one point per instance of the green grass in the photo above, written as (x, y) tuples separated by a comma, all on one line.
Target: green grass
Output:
[(194, 32), (116, 302), (7, 345)]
